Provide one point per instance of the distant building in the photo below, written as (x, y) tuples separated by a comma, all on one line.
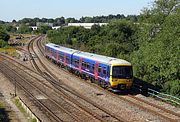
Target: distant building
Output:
[(86, 25), (34, 27), (56, 27)]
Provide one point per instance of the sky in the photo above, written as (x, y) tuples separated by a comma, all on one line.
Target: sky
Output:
[(19, 9)]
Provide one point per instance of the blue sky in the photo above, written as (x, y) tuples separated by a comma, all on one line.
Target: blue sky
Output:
[(18, 9)]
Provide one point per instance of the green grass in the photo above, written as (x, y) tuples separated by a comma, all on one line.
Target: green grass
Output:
[(18, 104), (9, 51), (1, 105)]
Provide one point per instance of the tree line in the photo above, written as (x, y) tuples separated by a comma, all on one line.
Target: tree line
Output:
[(151, 43), (61, 21), (43, 24)]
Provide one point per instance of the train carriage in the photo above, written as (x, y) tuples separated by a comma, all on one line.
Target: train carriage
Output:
[(60, 55)]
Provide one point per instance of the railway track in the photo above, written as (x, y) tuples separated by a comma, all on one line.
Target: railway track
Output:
[(84, 103), (141, 103), (13, 76), (55, 96)]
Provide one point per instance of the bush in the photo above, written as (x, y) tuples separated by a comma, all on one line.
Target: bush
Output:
[(3, 43)]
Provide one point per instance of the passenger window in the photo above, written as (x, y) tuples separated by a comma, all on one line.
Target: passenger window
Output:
[(77, 62), (99, 69), (83, 64), (93, 66), (87, 65), (104, 70)]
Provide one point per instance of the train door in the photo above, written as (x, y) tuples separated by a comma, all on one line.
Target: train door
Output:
[(96, 70), (64, 59), (57, 56), (80, 64), (51, 54)]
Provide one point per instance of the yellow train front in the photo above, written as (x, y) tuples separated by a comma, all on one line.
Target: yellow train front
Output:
[(121, 76)]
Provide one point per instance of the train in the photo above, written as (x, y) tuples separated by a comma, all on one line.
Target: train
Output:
[(108, 72)]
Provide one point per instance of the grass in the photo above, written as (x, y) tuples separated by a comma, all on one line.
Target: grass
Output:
[(20, 107), (1, 105), (8, 50)]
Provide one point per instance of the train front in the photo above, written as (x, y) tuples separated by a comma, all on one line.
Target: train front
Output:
[(121, 77)]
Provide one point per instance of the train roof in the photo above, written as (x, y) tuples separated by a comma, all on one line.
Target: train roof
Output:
[(91, 56), (101, 58), (61, 48)]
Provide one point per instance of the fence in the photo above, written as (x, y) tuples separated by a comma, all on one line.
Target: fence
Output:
[(163, 96), (143, 89)]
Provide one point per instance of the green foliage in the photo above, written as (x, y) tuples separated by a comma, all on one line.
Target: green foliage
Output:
[(4, 37), (33, 120), (24, 29), (10, 28), (43, 29), (3, 34), (61, 21), (118, 34), (157, 60), (3, 43), (172, 87)]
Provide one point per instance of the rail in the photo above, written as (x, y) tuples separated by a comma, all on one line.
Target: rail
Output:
[(164, 96)]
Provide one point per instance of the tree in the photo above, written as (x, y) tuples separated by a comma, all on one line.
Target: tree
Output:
[(10, 28), (24, 29), (43, 29), (59, 21), (3, 34), (3, 43), (13, 21), (70, 20), (157, 60)]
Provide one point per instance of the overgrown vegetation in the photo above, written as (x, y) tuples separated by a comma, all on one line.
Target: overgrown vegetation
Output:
[(21, 108), (151, 44)]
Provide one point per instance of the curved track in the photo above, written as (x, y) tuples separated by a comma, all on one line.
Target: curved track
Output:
[(95, 110)]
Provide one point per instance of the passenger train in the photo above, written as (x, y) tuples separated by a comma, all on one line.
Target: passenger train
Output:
[(108, 72)]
